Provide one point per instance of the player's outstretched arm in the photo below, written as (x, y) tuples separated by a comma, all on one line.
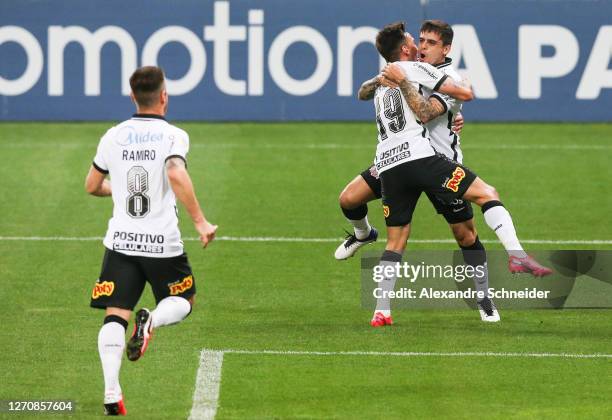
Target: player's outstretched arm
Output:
[(181, 184), (367, 89), (97, 184)]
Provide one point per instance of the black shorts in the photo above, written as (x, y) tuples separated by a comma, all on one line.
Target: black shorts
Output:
[(370, 176), (123, 278), (437, 175), (458, 211)]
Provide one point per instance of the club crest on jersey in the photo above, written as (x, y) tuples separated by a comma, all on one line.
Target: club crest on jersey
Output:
[(453, 183), (180, 286), (106, 288), (386, 211)]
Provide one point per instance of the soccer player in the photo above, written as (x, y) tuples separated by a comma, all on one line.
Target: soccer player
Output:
[(408, 165), (145, 157), (434, 45)]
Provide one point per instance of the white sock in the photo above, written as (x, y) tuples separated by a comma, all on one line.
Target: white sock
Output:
[(169, 311), (111, 343), (383, 303), (500, 221), (361, 227)]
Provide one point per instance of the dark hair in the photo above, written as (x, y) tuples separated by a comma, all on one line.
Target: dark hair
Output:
[(441, 28), (390, 39), (146, 83)]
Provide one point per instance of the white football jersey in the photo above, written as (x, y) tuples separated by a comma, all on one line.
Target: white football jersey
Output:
[(443, 138), (401, 136), (134, 153)]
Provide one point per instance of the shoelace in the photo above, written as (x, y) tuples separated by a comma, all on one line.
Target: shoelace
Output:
[(350, 239), (486, 306)]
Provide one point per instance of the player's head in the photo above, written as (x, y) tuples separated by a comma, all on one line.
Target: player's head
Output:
[(149, 89), (395, 44), (435, 40)]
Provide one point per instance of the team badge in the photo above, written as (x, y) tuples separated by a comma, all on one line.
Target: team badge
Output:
[(106, 288), (374, 172), (386, 211), (180, 286), (453, 183)]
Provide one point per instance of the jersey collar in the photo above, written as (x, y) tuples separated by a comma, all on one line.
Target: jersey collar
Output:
[(447, 62), (154, 116)]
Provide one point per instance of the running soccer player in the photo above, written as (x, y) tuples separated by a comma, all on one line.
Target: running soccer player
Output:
[(435, 43), (408, 164), (145, 157)]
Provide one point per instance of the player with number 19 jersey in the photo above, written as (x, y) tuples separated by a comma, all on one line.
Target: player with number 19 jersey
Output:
[(402, 137), (145, 221)]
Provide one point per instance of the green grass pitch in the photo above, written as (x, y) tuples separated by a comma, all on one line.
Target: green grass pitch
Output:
[(283, 180)]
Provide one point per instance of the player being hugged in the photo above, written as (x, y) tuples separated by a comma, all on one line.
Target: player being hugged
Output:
[(408, 164), (145, 157), (443, 121)]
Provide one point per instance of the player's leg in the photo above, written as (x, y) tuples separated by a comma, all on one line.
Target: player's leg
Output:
[(391, 257), (495, 214), (499, 220), (398, 206), (474, 255), (111, 343), (174, 290), (460, 218), (353, 203), (117, 291), (450, 180)]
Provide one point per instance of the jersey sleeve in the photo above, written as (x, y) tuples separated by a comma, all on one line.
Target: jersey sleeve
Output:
[(423, 73), (180, 146), (447, 102), (100, 161)]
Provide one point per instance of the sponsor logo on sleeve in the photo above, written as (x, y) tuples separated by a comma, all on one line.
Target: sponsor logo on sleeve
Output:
[(453, 183), (106, 288), (427, 70), (181, 286)]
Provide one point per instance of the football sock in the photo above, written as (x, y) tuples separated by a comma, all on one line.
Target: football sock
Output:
[(111, 343), (383, 304), (476, 256), (498, 219), (358, 217), (169, 311)]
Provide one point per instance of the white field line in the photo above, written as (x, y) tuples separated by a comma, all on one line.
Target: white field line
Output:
[(208, 382), (318, 146), (306, 240), (418, 354)]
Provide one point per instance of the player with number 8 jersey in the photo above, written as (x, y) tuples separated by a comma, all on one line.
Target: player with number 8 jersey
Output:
[(145, 158), (144, 221)]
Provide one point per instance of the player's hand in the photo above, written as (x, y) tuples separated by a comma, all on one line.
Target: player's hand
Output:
[(207, 232), (386, 82), (393, 73), (458, 123)]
